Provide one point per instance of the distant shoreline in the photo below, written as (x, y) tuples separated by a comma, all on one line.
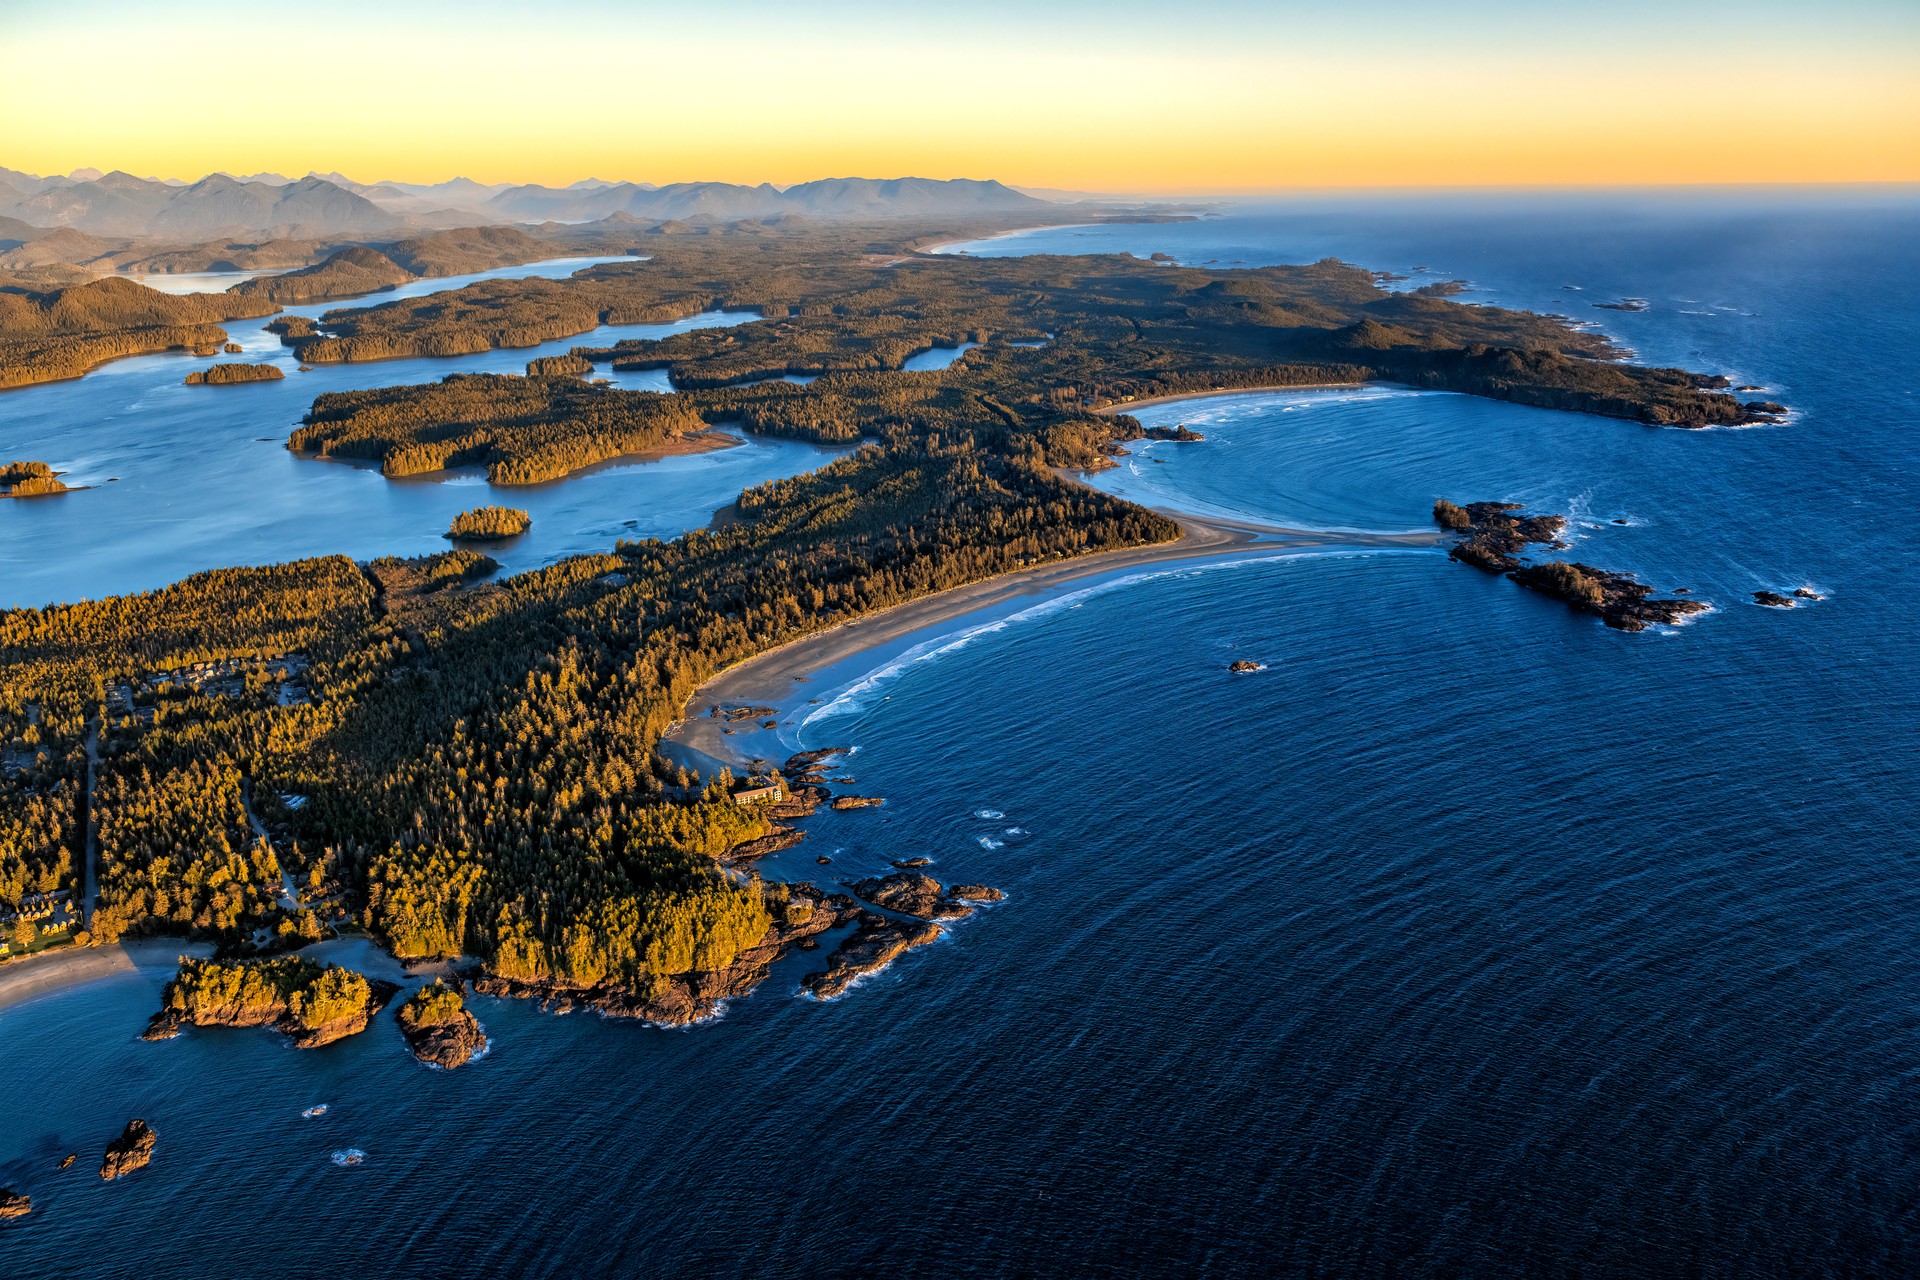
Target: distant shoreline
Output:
[(1128, 406), (940, 249)]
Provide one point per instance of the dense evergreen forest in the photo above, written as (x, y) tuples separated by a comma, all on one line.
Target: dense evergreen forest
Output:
[(61, 333), (471, 766), (1079, 333)]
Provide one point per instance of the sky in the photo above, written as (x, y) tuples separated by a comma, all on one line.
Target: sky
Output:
[(1196, 96)]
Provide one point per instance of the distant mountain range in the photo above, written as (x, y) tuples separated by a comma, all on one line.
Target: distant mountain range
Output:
[(119, 204), (827, 198), (319, 205)]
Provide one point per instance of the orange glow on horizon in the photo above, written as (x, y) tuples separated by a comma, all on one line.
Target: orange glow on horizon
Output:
[(547, 104)]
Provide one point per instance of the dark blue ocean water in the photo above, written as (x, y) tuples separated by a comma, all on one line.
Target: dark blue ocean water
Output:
[(1469, 938)]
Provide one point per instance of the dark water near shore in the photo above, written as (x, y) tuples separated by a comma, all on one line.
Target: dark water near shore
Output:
[(190, 478), (1469, 938)]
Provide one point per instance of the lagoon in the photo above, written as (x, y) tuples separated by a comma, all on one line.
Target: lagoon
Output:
[(179, 479)]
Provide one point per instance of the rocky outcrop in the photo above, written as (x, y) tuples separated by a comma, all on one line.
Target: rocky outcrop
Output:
[(689, 997), (439, 1028), (131, 1150), (1242, 666), (1807, 593), (1182, 433), (1772, 599), (872, 947), (843, 803), (1494, 538), (1619, 599), (14, 1204), (773, 842), (800, 801), (916, 894)]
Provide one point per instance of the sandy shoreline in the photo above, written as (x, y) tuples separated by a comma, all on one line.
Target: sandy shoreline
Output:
[(1128, 406), (776, 676), (942, 248), (51, 971)]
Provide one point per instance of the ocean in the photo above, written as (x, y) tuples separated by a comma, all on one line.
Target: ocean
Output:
[(1467, 938)]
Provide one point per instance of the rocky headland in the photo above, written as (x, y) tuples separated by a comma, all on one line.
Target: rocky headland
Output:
[(877, 943), (689, 997), (1493, 538), (439, 1028), (310, 1004)]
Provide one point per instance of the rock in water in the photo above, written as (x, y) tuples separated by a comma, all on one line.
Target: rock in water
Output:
[(1772, 599), (871, 948), (1243, 665), (131, 1150), (908, 892), (439, 1028), (68, 1162), (915, 894), (14, 1205)]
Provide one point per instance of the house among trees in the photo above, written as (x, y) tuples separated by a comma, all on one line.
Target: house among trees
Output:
[(758, 790)]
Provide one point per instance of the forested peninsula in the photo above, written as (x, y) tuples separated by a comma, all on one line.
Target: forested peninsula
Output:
[(472, 767)]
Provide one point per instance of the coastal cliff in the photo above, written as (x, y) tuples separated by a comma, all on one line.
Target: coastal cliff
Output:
[(679, 999), (439, 1028), (310, 1004)]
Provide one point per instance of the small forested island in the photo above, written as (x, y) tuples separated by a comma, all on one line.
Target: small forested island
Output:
[(309, 1003), (1494, 538), (222, 375), (490, 523), (439, 1028), (29, 480)]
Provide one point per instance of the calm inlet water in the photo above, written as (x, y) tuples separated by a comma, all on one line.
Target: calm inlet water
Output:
[(188, 478), (1468, 938)]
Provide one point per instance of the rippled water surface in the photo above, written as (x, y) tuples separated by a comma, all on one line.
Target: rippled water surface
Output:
[(1468, 938)]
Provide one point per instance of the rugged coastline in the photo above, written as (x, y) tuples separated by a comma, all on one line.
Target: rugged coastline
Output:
[(1493, 539), (312, 1005)]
